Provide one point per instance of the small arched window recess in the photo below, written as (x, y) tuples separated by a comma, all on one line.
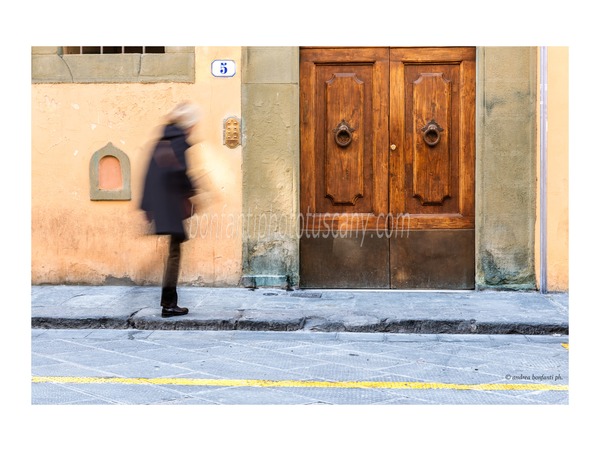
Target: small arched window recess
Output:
[(110, 174)]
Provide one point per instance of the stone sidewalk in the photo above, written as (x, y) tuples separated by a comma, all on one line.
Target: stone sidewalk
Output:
[(385, 311)]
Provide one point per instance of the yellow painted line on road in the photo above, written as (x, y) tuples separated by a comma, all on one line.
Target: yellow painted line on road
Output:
[(304, 384)]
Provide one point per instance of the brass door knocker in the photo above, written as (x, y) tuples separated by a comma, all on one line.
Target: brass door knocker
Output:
[(431, 133), (343, 134)]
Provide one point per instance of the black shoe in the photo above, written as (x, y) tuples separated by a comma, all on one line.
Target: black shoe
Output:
[(175, 311)]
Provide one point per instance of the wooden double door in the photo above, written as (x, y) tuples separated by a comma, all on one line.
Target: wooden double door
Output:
[(387, 168)]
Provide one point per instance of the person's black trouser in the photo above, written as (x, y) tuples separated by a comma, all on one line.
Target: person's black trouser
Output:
[(168, 297)]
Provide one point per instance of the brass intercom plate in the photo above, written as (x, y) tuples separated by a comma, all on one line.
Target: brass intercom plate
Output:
[(231, 132)]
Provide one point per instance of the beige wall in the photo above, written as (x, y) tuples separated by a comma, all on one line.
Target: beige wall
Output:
[(557, 191), (505, 199), (78, 240), (270, 105)]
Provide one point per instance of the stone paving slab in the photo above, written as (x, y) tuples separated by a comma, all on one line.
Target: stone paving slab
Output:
[(306, 360)]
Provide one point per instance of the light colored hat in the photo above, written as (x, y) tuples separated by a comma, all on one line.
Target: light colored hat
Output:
[(185, 115)]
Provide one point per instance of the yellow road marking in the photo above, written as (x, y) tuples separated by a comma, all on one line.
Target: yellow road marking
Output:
[(565, 345), (304, 384)]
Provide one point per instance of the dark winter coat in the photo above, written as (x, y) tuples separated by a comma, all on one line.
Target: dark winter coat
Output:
[(167, 185)]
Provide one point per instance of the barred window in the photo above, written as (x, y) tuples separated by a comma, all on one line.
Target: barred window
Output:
[(104, 64), (110, 50)]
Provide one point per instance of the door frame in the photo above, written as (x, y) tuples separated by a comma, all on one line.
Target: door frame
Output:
[(506, 94)]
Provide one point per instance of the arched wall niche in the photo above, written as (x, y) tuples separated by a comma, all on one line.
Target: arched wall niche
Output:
[(110, 174)]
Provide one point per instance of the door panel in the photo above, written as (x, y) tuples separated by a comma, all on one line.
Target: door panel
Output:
[(347, 128), (431, 158), (344, 260), (344, 166), (387, 167), (433, 259), (432, 170), (344, 137), (432, 116)]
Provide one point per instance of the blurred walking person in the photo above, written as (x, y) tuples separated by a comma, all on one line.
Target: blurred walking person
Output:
[(166, 198)]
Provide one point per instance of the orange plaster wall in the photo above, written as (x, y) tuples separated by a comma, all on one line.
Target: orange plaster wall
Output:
[(558, 169), (76, 240)]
